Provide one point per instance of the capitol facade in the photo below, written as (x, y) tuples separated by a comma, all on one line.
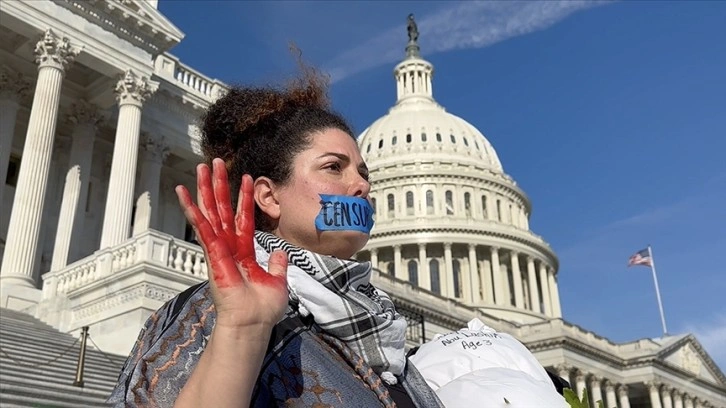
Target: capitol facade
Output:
[(99, 122)]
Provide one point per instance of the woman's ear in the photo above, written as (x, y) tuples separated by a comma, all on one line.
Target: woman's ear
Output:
[(266, 198)]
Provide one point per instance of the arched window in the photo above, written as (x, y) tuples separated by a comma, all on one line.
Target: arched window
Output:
[(409, 202), (467, 204), (510, 218), (457, 278), (484, 206), (423, 136), (476, 144), (434, 270), (453, 139), (438, 137), (368, 149), (408, 138), (391, 205), (449, 203), (499, 210), (391, 268), (380, 144), (429, 202), (413, 272), (393, 141), (466, 142), (373, 203)]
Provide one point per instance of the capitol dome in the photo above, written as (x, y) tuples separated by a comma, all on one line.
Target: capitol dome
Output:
[(449, 220)]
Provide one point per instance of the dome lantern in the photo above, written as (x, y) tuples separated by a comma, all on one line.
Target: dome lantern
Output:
[(413, 75)]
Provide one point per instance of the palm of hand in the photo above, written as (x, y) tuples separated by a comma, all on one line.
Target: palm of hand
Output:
[(244, 294)]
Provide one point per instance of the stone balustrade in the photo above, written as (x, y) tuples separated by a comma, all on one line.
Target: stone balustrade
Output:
[(150, 247), (173, 70)]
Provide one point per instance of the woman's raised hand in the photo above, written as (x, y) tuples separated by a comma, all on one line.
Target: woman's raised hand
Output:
[(245, 295)]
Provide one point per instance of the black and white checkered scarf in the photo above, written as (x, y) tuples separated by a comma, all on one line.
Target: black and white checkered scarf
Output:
[(339, 296)]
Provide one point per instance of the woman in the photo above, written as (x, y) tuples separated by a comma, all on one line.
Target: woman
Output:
[(285, 318)]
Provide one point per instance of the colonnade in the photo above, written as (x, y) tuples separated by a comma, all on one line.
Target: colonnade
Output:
[(475, 274), (618, 395), (54, 56)]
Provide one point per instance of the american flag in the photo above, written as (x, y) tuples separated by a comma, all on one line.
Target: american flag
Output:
[(641, 257)]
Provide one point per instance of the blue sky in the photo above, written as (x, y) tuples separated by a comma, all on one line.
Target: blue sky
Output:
[(610, 115)]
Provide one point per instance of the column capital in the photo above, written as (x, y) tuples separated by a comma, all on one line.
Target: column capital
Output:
[(494, 249), (580, 376), (54, 51), (623, 390), (530, 259), (132, 89), (13, 84), (472, 247), (447, 245), (676, 393), (609, 386), (653, 386), (156, 148), (374, 250), (83, 112), (397, 247), (594, 379), (421, 245), (563, 367)]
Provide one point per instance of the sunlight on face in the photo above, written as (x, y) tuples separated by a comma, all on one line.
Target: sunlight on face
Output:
[(332, 164)]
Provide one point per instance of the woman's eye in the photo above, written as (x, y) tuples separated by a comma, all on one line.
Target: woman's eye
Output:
[(334, 166)]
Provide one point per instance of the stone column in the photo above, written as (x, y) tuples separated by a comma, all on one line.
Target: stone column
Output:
[(677, 399), (665, 394), (154, 152), (595, 389), (131, 92), (580, 384), (554, 294), (397, 270), (53, 55), (488, 285), (563, 370), (13, 88), (374, 258), (545, 282), (611, 400), (532, 279), (449, 272), (70, 221), (424, 277), (517, 276), (688, 400), (499, 297), (474, 275), (623, 395)]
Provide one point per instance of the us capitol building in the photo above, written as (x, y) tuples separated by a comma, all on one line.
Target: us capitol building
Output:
[(99, 122)]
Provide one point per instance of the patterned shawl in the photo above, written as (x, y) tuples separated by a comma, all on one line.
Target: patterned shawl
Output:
[(339, 296)]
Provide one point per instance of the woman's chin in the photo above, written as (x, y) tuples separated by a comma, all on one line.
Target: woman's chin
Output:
[(343, 244)]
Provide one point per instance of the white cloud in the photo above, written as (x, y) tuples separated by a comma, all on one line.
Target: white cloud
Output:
[(470, 24)]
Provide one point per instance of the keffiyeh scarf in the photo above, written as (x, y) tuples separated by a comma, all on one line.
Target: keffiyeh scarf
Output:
[(339, 296)]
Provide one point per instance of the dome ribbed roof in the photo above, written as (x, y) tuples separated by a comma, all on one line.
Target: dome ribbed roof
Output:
[(417, 124)]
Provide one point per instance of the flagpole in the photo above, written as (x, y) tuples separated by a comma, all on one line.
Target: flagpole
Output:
[(657, 291)]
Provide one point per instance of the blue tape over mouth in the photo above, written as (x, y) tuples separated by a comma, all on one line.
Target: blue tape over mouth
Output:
[(344, 213)]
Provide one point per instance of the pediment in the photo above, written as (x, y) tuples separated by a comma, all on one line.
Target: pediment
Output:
[(688, 355)]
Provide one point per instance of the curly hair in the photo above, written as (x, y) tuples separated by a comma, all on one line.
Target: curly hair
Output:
[(260, 130)]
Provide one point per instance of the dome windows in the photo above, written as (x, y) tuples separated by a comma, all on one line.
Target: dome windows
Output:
[(409, 203), (429, 202), (453, 139), (449, 203), (466, 142), (484, 206), (391, 205), (393, 141), (467, 204), (438, 136), (408, 138), (368, 149), (380, 144), (423, 136), (413, 272)]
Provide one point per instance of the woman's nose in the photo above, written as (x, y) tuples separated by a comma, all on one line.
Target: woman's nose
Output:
[(361, 187)]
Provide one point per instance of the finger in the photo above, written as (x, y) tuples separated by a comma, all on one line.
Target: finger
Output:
[(205, 197), (222, 267), (220, 183), (275, 277), (245, 219)]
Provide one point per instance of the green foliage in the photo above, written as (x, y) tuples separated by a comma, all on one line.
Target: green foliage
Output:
[(575, 402)]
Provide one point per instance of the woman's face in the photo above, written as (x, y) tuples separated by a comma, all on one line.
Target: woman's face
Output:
[(332, 164)]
